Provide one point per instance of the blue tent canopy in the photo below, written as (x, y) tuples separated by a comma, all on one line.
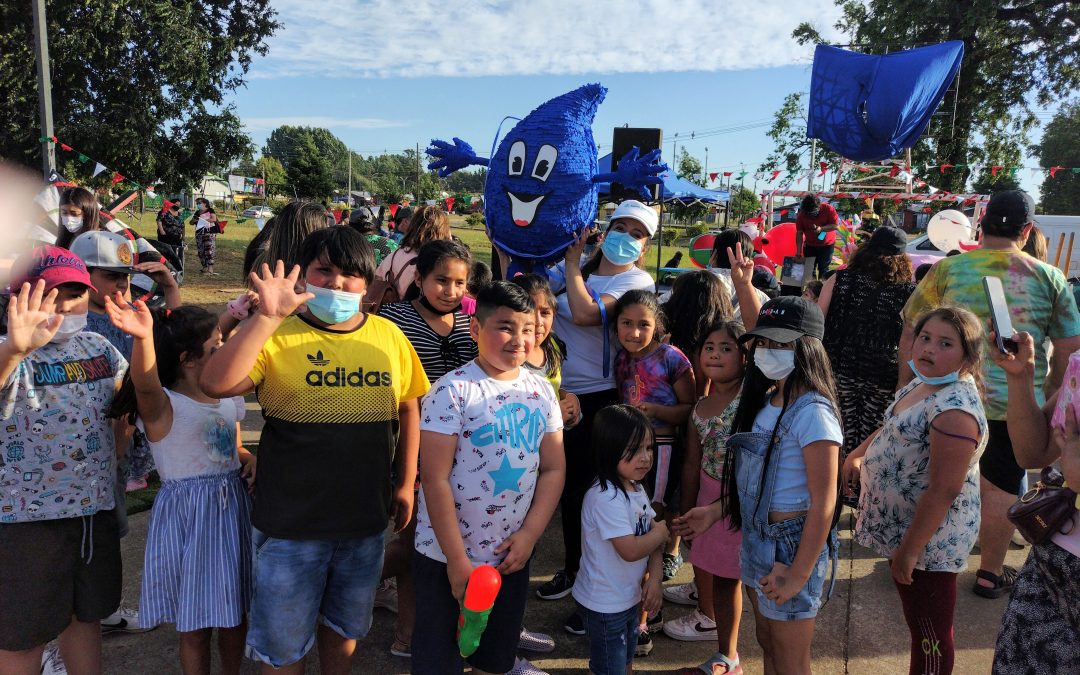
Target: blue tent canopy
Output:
[(674, 187), (870, 107)]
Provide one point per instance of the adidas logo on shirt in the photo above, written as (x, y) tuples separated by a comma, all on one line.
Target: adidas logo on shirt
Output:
[(340, 377)]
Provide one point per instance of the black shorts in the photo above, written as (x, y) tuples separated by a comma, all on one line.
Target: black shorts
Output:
[(998, 462), (53, 570), (434, 643)]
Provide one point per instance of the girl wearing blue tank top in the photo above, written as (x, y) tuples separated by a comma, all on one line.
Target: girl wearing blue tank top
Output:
[(781, 480), (197, 567)]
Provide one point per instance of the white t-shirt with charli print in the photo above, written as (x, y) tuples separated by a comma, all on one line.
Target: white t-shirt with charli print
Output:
[(499, 425), (606, 583)]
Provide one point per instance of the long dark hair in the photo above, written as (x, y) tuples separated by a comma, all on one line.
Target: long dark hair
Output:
[(617, 433), (85, 201), (812, 374), (178, 335), (884, 269), (698, 300), (553, 347), (646, 299)]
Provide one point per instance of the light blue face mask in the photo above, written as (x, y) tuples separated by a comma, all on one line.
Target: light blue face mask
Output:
[(333, 307), (947, 378), (620, 248)]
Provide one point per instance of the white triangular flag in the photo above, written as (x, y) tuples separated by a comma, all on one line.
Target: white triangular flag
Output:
[(98, 168)]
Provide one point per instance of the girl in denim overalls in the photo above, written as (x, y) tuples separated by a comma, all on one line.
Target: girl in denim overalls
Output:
[(781, 473)]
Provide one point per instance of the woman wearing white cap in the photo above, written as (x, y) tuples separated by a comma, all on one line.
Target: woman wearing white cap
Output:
[(588, 298)]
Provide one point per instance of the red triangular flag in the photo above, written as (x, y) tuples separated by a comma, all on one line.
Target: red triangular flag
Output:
[(896, 200), (864, 169), (712, 175), (1054, 170), (824, 166), (393, 209), (117, 178), (783, 212), (994, 169), (946, 166), (894, 170), (65, 147), (727, 173), (774, 175), (449, 203)]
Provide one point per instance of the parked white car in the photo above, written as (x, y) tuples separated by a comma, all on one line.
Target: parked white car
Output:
[(259, 212)]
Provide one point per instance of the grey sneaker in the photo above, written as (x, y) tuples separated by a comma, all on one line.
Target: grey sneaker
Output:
[(541, 643), (524, 667), (386, 595), (672, 565)]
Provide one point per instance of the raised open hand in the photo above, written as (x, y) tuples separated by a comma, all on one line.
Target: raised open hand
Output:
[(135, 320), (636, 172), (278, 297), (31, 318), (449, 158)]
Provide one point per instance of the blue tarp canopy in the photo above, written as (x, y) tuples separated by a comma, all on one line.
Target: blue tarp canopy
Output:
[(674, 188), (870, 107)]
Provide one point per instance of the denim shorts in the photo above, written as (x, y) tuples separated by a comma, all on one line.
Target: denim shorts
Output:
[(778, 542), (299, 582), (612, 638)]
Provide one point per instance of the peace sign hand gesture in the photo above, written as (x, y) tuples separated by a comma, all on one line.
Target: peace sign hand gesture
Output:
[(32, 319), (278, 294), (742, 269)]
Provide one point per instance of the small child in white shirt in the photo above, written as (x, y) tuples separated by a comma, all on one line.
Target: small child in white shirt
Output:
[(620, 542)]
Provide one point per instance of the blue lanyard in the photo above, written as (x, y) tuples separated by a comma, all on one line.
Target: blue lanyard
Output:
[(604, 328)]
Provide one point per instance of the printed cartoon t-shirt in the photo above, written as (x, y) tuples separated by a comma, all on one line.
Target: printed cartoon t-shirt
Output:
[(1039, 298), (202, 440), (58, 458), (330, 400), (499, 425), (652, 378)]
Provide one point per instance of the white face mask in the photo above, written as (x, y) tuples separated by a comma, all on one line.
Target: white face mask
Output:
[(72, 324), (72, 223), (775, 364)]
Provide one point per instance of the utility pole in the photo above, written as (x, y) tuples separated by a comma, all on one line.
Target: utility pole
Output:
[(348, 197), (706, 176), (41, 53), (813, 164)]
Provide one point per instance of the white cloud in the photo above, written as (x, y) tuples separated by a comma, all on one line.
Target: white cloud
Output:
[(260, 123), (417, 38)]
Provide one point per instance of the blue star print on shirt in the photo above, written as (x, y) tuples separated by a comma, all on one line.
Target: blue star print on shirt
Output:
[(506, 477)]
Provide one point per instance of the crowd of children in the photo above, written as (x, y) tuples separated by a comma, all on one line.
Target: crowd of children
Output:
[(711, 417)]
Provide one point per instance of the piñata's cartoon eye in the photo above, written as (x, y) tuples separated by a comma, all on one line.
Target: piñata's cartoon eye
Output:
[(545, 162), (517, 159)]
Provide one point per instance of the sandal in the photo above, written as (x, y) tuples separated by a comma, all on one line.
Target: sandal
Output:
[(710, 667), (1003, 583)]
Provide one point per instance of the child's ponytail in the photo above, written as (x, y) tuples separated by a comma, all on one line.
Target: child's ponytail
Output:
[(179, 334)]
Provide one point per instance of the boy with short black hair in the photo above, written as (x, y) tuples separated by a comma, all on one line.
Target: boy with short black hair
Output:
[(334, 384), (59, 544), (493, 471)]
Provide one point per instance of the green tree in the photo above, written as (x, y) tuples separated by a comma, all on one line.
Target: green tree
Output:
[(467, 181), (1000, 149), (689, 168), (1060, 146), (274, 173), (137, 84), (309, 171), (1016, 53), (743, 204), (791, 147)]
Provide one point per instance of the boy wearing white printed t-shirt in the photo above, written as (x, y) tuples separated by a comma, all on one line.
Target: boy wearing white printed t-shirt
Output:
[(492, 470)]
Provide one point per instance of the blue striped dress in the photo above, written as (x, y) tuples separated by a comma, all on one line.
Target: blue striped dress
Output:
[(197, 566)]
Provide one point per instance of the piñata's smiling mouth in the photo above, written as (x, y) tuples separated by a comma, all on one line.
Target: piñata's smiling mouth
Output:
[(523, 207)]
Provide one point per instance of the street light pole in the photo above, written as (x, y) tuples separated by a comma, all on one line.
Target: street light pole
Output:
[(41, 53)]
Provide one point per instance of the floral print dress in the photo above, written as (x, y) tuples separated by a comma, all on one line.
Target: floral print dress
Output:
[(896, 472)]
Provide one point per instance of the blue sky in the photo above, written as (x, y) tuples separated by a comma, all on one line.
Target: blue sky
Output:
[(384, 75)]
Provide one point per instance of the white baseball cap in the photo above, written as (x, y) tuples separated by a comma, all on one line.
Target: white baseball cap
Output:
[(105, 250), (635, 210)]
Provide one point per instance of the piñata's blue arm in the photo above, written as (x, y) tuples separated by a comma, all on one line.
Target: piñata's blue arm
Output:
[(636, 172), (450, 158)]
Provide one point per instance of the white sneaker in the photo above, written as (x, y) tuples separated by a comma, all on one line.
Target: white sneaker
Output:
[(123, 620), (51, 663), (693, 627), (682, 594), (524, 667), (386, 595)]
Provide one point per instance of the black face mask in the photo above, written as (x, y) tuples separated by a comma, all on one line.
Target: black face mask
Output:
[(428, 306)]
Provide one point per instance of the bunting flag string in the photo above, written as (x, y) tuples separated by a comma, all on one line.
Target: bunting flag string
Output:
[(118, 179), (938, 196)]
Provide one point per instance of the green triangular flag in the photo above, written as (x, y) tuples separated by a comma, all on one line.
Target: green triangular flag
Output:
[(83, 158)]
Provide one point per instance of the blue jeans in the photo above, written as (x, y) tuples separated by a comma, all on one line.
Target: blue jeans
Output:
[(299, 582), (612, 638)]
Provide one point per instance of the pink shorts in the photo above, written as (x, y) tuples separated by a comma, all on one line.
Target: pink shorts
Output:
[(717, 550)]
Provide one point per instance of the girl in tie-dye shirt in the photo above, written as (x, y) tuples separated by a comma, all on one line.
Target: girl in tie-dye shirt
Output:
[(655, 378)]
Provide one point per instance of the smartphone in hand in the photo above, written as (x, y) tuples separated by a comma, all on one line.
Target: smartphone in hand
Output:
[(999, 315)]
